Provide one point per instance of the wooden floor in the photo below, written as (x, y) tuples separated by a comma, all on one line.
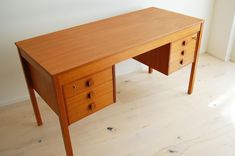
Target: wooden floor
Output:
[(153, 116)]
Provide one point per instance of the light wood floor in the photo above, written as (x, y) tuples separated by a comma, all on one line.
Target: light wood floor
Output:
[(153, 117)]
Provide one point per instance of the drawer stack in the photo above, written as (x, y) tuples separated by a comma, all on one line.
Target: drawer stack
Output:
[(89, 94), (182, 52), (171, 57)]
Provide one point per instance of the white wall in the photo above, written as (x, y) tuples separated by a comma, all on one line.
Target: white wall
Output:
[(25, 18), (233, 46), (233, 52), (222, 33)]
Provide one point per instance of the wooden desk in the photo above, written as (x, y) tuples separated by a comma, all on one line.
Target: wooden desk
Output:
[(73, 69)]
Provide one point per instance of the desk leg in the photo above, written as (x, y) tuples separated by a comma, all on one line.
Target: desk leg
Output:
[(192, 78), (63, 117), (31, 90), (194, 65), (114, 84), (35, 106), (150, 70), (66, 136)]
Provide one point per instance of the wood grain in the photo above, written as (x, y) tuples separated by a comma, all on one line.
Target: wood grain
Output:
[(195, 61), (83, 98), (114, 84), (63, 117), (137, 119), (156, 59), (29, 84), (170, 57), (180, 52), (79, 111), (80, 85), (43, 85), (74, 47), (106, 62), (65, 66)]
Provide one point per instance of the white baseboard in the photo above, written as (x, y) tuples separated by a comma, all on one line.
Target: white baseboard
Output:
[(216, 56), (14, 100), (233, 57)]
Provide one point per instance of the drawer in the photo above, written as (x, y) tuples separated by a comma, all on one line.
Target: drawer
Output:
[(89, 95), (182, 52), (77, 110), (87, 83)]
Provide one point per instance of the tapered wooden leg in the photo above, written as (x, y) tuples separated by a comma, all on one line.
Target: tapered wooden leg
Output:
[(35, 106), (31, 90), (114, 84), (63, 117), (194, 65), (150, 70), (192, 78), (66, 136)]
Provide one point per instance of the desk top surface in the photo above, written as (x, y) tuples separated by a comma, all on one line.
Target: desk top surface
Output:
[(63, 50)]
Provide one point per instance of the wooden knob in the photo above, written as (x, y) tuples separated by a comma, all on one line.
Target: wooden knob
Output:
[(182, 52), (91, 106), (181, 62), (74, 86), (90, 83), (184, 43), (91, 95)]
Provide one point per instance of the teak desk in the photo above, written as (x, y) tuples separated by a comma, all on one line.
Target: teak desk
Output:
[(73, 69)]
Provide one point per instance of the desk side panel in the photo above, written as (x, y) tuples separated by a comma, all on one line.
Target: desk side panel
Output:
[(42, 82), (157, 59)]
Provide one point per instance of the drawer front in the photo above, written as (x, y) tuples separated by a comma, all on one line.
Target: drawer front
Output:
[(78, 110), (87, 83), (182, 52), (89, 95)]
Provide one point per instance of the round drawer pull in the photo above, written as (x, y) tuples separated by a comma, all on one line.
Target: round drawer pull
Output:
[(184, 43), (90, 83), (91, 95), (181, 62), (182, 52), (91, 106), (74, 86)]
